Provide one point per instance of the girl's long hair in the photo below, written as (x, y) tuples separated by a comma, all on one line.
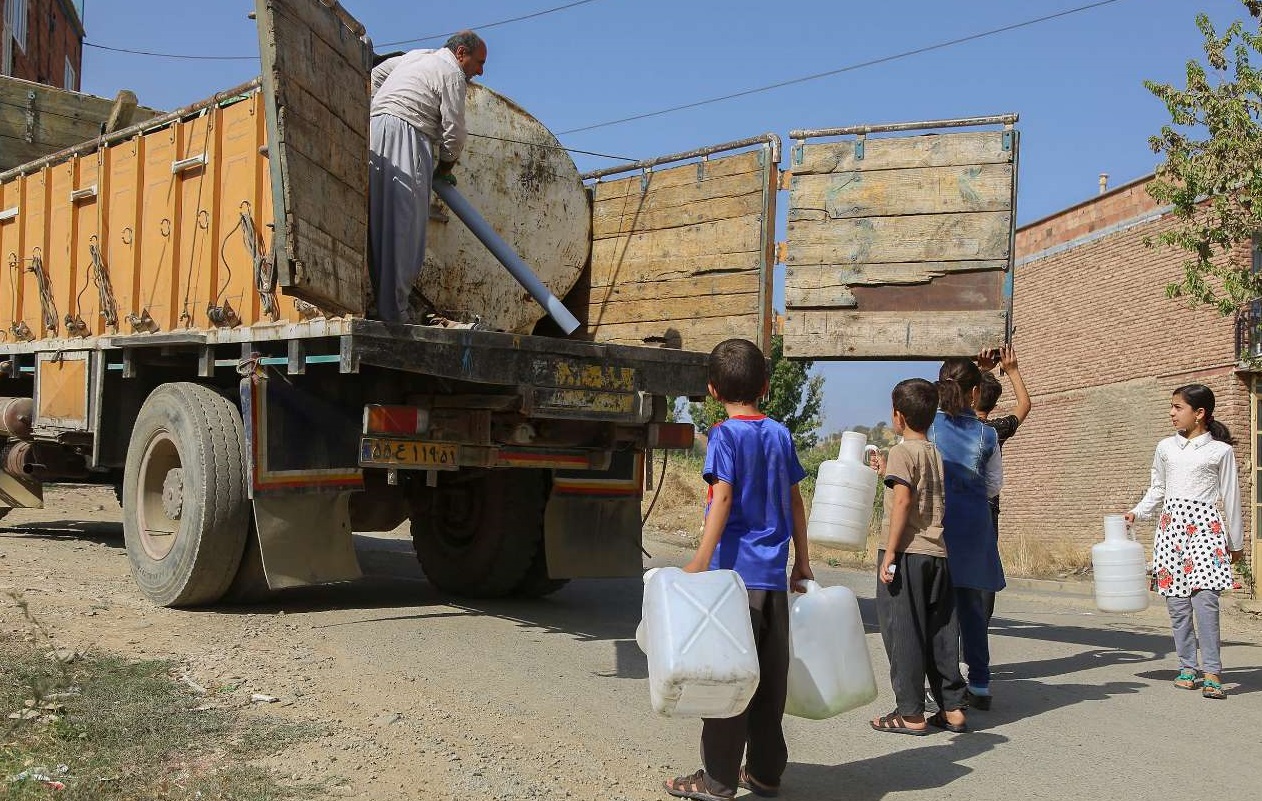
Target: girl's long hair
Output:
[(956, 381), (1199, 396)]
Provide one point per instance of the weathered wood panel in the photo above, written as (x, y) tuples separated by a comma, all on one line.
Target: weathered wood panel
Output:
[(829, 276), (676, 250), (607, 222), (930, 334), (929, 237), (36, 120), (315, 81), (893, 153), (723, 244), (889, 193)]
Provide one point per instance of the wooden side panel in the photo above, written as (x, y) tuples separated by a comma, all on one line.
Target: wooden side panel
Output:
[(196, 191), (916, 229), (315, 80), (681, 257), (37, 120)]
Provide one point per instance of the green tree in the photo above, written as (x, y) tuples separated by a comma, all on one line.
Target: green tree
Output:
[(1212, 173), (793, 397)]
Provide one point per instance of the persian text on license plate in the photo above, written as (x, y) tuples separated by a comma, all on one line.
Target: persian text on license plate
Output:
[(408, 453)]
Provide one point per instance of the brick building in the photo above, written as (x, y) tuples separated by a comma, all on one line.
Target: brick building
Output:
[(42, 41), (1101, 349)]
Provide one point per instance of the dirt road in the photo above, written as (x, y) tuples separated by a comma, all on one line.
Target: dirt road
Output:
[(424, 698)]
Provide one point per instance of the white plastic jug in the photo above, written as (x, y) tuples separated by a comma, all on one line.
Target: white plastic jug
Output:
[(1121, 572), (830, 671), (844, 492), (697, 635)]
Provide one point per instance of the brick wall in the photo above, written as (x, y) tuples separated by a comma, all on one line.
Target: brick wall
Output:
[(1101, 347), (53, 35)]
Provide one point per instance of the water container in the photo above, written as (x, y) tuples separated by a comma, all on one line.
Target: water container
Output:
[(697, 635), (844, 492), (829, 668), (1121, 572)]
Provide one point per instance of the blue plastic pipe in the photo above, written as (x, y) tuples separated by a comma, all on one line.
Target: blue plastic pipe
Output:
[(506, 255)]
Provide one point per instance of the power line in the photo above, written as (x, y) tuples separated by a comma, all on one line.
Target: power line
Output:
[(490, 24), (861, 65), (426, 38)]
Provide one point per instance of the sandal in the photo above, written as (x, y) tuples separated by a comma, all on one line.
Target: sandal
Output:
[(893, 723), (693, 787), (1212, 688), (938, 720), (1186, 680), (756, 787)]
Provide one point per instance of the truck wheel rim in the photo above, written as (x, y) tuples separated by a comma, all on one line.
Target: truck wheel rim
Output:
[(160, 495)]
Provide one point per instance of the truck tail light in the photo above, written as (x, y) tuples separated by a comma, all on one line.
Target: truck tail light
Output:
[(398, 420), (671, 436)]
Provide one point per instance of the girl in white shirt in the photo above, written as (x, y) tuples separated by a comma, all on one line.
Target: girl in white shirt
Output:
[(1195, 544)]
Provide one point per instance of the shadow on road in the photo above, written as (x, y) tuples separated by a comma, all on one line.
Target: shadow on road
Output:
[(110, 534), (920, 767)]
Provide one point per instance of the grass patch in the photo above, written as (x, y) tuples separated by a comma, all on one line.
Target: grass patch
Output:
[(112, 729)]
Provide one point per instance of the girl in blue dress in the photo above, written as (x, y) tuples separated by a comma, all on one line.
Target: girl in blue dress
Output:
[(973, 475)]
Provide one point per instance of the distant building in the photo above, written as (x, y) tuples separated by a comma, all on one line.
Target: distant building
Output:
[(42, 41)]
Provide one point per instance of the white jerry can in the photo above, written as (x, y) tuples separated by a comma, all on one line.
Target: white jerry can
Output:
[(845, 490), (830, 671), (1120, 570), (697, 635)]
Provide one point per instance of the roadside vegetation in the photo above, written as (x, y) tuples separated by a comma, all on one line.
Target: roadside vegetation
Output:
[(95, 726)]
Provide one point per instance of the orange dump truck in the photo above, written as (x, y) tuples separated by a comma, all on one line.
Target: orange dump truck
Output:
[(184, 317)]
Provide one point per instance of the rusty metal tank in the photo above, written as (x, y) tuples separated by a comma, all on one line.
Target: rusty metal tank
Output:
[(515, 172)]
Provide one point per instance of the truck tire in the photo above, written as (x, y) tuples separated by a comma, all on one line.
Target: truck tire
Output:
[(186, 512), (477, 534)]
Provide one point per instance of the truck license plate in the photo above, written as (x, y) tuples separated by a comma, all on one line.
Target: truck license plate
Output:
[(378, 451)]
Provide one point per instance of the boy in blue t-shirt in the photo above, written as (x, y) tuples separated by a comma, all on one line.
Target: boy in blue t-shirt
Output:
[(753, 511)]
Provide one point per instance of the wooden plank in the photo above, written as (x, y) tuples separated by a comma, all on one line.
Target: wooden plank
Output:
[(682, 312), (716, 285), (929, 237), (661, 197), (829, 276), (635, 220), (933, 150), (325, 138), (699, 335), (956, 292), (684, 175), (891, 335), (337, 75), (122, 112), (890, 193), (36, 120), (725, 243)]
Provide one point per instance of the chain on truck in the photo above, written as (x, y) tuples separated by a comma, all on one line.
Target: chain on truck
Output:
[(184, 317)]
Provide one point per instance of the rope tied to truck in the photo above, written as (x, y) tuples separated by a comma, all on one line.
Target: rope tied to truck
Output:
[(263, 268), (99, 276), (47, 305)]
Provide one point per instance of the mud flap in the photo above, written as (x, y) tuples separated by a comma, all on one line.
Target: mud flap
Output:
[(592, 525), (305, 538)]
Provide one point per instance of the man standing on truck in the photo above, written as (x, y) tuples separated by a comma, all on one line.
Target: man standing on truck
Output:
[(418, 112)]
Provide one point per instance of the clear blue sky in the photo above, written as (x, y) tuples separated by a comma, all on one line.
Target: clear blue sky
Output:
[(1076, 81)]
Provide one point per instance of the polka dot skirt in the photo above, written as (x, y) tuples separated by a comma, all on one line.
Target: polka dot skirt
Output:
[(1190, 551)]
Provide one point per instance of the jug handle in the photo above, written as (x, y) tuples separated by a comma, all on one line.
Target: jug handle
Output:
[(811, 586), (867, 449)]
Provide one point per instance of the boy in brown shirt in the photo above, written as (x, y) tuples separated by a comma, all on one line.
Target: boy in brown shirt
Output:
[(915, 602)]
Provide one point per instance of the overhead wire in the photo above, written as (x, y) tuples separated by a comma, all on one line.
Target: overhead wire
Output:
[(840, 70), (425, 38)]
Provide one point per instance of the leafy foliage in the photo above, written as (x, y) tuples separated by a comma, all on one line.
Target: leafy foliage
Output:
[(793, 397), (1212, 173)]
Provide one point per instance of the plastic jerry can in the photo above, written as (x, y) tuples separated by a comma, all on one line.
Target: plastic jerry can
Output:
[(1121, 572), (697, 635), (844, 492), (830, 671)]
